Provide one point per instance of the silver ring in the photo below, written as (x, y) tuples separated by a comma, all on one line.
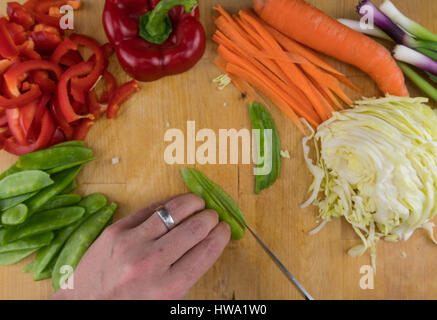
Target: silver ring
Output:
[(166, 217)]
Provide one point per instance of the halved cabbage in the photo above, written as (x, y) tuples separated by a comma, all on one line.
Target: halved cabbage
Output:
[(377, 167)]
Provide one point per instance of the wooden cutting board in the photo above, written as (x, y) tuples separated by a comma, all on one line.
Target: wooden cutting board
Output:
[(404, 270)]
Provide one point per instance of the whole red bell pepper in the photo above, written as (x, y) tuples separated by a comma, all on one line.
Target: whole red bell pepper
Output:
[(155, 38)]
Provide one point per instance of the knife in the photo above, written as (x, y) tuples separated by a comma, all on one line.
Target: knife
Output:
[(281, 266)]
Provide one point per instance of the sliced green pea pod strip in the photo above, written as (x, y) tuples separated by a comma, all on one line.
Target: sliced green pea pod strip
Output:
[(8, 203), (91, 203), (53, 157), (216, 199), (262, 120), (34, 242), (80, 241), (70, 188), (69, 165), (13, 169), (61, 201), (62, 181), (43, 222), (13, 257), (15, 215), (72, 143), (24, 182)]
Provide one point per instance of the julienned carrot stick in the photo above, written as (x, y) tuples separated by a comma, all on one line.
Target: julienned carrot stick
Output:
[(233, 69), (313, 28), (241, 85), (322, 107), (288, 87)]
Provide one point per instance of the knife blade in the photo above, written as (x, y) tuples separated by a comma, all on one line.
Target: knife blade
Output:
[(281, 266)]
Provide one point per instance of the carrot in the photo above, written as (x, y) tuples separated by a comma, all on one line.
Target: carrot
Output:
[(233, 69), (241, 85), (298, 78), (313, 28)]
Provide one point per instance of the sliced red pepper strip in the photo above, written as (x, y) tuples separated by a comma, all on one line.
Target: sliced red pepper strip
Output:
[(35, 127), (13, 116), (82, 129), (27, 51), (48, 128), (27, 114), (110, 86), (45, 42), (4, 65), (42, 79), (58, 137), (22, 99), (19, 14), (66, 128), (45, 5), (14, 75), (47, 20), (81, 86), (120, 95), (62, 49), (97, 109), (71, 58), (62, 91), (18, 33), (8, 49)]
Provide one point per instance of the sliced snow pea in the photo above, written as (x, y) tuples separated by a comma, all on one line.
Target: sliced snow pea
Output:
[(53, 157), (262, 120), (24, 182), (80, 241), (13, 169), (34, 242), (43, 222), (62, 181), (72, 143), (15, 215), (61, 201), (70, 188), (69, 165), (8, 203), (13, 257), (91, 203), (216, 199)]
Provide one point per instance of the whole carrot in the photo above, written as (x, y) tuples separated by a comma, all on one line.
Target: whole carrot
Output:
[(313, 28)]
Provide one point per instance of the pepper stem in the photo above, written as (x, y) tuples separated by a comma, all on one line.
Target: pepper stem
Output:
[(155, 26)]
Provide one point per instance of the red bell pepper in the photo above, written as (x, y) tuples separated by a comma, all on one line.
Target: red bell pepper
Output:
[(63, 98), (81, 86), (120, 95), (17, 32), (82, 129), (42, 79), (19, 14), (4, 65), (66, 128), (46, 38), (8, 49), (35, 127), (19, 72), (13, 116), (22, 99), (97, 109), (48, 128), (110, 86), (71, 58), (155, 38), (62, 49), (27, 50), (27, 114)]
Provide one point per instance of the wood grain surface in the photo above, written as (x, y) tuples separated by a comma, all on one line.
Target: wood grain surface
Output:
[(405, 270)]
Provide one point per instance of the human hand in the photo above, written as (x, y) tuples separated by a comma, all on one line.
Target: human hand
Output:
[(139, 258)]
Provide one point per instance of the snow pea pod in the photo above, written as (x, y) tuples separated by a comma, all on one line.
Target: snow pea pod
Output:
[(53, 157), (24, 182), (69, 165), (62, 181), (34, 242), (13, 169), (43, 222), (216, 199), (72, 143), (269, 151), (70, 188), (8, 203), (91, 203), (61, 201), (80, 241), (13, 257), (15, 215)]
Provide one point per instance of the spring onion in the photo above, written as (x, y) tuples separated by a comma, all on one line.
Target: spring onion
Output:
[(412, 27), (373, 32), (410, 56), (390, 28), (419, 81), (377, 168)]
